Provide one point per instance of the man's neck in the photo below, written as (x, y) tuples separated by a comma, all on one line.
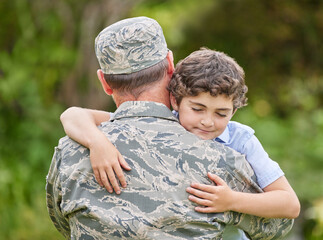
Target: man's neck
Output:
[(156, 93)]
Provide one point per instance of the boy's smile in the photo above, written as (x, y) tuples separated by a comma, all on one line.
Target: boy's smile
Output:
[(204, 115)]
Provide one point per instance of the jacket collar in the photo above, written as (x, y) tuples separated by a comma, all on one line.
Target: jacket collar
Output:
[(132, 109)]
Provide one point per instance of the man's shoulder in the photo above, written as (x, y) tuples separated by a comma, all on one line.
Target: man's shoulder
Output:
[(68, 145), (68, 153)]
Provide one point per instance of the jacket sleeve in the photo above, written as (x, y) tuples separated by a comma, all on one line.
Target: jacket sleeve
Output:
[(54, 196), (262, 228)]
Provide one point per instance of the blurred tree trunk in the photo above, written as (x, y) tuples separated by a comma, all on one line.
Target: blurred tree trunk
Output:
[(81, 87)]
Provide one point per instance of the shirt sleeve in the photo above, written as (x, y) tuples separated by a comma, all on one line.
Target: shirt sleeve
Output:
[(267, 171), (175, 113), (111, 114), (54, 196)]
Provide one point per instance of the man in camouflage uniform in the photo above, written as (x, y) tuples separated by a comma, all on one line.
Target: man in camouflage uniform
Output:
[(164, 157)]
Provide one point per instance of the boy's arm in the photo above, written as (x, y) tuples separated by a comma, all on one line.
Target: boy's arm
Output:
[(74, 119), (80, 124), (278, 201)]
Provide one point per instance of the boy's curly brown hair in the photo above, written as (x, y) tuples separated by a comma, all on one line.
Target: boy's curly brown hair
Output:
[(210, 71)]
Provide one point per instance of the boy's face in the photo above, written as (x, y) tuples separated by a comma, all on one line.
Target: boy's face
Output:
[(204, 115)]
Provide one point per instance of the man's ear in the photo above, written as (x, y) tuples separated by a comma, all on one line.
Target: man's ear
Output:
[(104, 84), (173, 102), (170, 60)]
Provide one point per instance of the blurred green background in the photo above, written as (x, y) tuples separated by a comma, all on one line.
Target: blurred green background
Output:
[(47, 63)]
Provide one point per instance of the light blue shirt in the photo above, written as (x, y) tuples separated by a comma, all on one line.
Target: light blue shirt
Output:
[(242, 139)]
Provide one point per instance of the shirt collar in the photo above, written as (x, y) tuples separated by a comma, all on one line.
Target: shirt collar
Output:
[(132, 109), (225, 136)]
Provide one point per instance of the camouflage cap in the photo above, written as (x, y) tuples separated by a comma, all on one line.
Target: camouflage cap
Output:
[(130, 45)]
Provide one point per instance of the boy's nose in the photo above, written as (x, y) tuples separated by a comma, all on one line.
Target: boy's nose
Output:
[(207, 122)]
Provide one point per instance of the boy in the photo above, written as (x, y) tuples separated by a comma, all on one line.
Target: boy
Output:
[(206, 89)]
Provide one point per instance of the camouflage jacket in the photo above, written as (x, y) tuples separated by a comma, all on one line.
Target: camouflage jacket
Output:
[(165, 159)]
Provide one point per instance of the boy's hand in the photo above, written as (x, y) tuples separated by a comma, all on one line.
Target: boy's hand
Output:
[(106, 162), (211, 199)]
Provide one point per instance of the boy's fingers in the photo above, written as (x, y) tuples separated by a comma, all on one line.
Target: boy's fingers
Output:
[(113, 180), (216, 179), (203, 187), (205, 209), (123, 163), (199, 201), (105, 181), (97, 177), (118, 171), (198, 193)]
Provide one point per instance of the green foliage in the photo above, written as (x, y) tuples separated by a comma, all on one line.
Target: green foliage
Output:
[(32, 66)]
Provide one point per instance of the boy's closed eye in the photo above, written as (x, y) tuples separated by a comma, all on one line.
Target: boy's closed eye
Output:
[(221, 115)]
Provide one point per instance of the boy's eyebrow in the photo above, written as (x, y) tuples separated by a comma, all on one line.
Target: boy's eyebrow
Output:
[(197, 103), (202, 105), (224, 109)]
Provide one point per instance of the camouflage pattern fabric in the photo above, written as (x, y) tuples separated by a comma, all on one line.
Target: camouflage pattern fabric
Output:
[(165, 159), (130, 45)]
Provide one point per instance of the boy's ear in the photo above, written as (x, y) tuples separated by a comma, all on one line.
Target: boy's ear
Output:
[(104, 84), (173, 102)]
